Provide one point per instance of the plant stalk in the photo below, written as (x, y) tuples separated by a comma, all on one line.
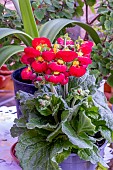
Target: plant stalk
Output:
[(53, 90)]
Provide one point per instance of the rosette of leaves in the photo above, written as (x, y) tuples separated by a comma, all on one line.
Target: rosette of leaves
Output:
[(52, 128), (102, 54)]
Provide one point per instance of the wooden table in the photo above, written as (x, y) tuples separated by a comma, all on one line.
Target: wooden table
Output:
[(7, 94)]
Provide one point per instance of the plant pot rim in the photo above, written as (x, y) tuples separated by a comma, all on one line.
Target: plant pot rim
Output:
[(12, 152), (20, 82)]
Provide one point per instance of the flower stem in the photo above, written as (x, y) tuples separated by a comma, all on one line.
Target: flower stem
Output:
[(65, 90), (53, 90), (73, 103)]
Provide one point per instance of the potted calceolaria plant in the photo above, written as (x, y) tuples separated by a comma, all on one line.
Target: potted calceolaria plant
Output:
[(67, 117), (67, 114)]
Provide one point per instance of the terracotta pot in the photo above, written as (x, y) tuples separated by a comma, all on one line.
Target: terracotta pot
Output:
[(4, 80), (13, 152), (5, 76)]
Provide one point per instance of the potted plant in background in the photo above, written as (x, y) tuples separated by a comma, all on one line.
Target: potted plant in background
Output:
[(67, 116)]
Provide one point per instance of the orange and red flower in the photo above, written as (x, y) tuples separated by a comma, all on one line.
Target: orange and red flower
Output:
[(86, 47), (59, 78), (77, 71), (25, 59), (54, 66), (31, 52), (41, 41), (26, 73), (66, 56), (39, 67), (48, 55), (84, 60)]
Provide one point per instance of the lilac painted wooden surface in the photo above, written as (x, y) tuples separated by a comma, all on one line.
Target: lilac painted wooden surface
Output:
[(6, 141)]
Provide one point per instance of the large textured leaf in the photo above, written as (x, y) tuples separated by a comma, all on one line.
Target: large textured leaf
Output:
[(21, 122), (4, 32), (41, 124), (106, 133), (74, 138), (28, 18), (17, 131), (91, 155), (85, 124), (54, 134), (52, 28), (104, 111), (7, 51), (35, 153)]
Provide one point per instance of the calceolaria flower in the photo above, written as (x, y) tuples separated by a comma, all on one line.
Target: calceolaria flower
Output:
[(54, 63)]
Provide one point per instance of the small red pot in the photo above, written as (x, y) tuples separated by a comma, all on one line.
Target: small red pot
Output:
[(13, 153)]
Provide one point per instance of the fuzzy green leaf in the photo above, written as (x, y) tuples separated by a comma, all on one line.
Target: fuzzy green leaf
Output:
[(74, 138), (41, 124), (92, 155), (104, 111), (32, 148), (85, 124), (17, 131), (106, 133)]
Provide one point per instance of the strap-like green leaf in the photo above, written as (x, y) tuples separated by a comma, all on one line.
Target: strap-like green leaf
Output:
[(7, 51), (52, 28), (28, 18), (20, 34), (16, 4)]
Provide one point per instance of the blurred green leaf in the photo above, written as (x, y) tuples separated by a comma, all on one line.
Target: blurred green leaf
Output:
[(28, 18), (39, 13), (7, 51), (54, 26), (111, 100), (110, 80), (90, 2)]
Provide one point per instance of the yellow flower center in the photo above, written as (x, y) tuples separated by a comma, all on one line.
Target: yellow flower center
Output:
[(38, 48), (28, 69), (55, 48), (60, 61), (78, 46), (40, 59), (80, 53), (56, 72), (75, 63)]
